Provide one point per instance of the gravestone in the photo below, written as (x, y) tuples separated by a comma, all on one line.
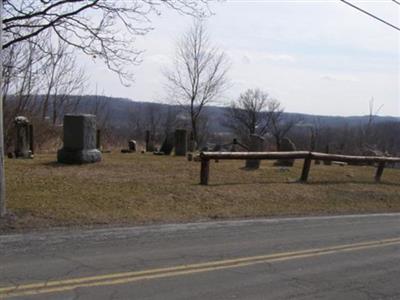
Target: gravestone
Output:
[(79, 140), (149, 142), (168, 145), (24, 138), (256, 145), (31, 140), (327, 162), (132, 146), (286, 146), (234, 145), (180, 142), (217, 148)]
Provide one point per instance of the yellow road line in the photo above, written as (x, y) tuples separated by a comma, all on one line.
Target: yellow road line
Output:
[(127, 277)]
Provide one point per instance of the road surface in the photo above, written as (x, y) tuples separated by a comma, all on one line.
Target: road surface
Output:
[(344, 257)]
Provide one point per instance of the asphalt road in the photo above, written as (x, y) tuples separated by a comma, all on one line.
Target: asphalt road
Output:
[(348, 257)]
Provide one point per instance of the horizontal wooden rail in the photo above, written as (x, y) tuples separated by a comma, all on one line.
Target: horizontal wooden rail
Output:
[(349, 158), (307, 156), (255, 155)]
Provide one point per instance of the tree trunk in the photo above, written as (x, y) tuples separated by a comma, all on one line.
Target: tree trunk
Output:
[(2, 173), (194, 130)]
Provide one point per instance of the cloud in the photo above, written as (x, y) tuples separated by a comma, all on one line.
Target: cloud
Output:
[(278, 57), (259, 56), (348, 78)]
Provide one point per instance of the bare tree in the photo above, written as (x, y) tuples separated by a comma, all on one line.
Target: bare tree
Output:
[(94, 27), (63, 78), (279, 125), (366, 138), (23, 67), (248, 114), (199, 73)]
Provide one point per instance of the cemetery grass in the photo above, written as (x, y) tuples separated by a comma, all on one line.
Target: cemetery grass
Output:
[(126, 189)]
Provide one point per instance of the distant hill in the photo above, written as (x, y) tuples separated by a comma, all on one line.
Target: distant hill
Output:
[(121, 110)]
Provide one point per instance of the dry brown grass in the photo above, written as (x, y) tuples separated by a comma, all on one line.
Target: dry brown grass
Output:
[(137, 188)]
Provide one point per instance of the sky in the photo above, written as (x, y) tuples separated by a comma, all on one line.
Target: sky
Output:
[(316, 57)]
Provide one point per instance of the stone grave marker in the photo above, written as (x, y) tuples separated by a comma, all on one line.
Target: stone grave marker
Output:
[(24, 138), (180, 142), (79, 140), (256, 145)]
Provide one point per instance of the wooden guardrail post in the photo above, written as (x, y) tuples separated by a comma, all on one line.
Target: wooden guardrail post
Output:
[(205, 170), (306, 168), (379, 171)]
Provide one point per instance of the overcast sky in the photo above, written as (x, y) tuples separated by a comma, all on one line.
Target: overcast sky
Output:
[(318, 57)]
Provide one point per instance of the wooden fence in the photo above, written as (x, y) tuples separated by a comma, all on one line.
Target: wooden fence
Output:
[(308, 157)]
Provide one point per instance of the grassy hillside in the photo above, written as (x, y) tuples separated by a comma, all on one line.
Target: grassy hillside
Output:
[(143, 188)]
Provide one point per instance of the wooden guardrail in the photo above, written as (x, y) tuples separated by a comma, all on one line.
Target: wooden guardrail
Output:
[(308, 157)]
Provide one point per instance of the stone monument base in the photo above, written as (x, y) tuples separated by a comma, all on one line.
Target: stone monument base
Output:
[(66, 156)]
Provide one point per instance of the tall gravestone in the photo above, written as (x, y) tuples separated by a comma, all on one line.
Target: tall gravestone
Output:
[(256, 145), (180, 142), (23, 138), (149, 142), (168, 144), (79, 140)]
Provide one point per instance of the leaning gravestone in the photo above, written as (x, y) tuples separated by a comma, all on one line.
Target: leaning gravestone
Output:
[(286, 146), (79, 140), (24, 137), (180, 142), (256, 145)]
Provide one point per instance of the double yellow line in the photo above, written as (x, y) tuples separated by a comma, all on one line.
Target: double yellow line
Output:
[(128, 277)]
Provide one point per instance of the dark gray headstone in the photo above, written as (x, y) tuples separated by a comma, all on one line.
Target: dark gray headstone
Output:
[(180, 142), (217, 148), (23, 137), (234, 145), (168, 145), (149, 142), (256, 145), (79, 140), (327, 162)]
